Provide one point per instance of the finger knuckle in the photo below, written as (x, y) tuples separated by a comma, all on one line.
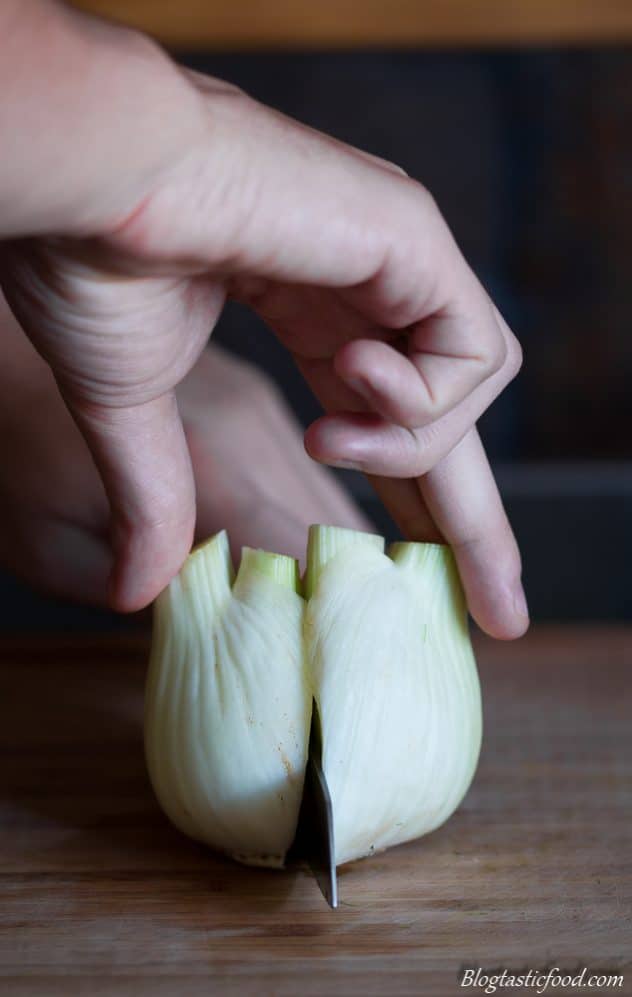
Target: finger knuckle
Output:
[(426, 200), (514, 358), (417, 449), (394, 168), (495, 355)]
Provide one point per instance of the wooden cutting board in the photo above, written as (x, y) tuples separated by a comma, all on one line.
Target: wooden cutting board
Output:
[(99, 895)]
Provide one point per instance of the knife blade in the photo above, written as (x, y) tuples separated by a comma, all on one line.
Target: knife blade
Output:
[(314, 841)]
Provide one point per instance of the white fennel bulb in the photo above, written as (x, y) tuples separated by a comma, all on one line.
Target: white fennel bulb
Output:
[(381, 641), (394, 675), (227, 703)]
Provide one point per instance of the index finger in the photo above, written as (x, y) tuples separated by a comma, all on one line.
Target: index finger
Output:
[(458, 503), (463, 499)]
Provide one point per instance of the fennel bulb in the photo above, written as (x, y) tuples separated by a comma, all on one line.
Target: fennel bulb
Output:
[(393, 672), (228, 704), (380, 641)]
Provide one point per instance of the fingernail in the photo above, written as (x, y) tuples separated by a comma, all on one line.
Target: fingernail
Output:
[(347, 465), (520, 602)]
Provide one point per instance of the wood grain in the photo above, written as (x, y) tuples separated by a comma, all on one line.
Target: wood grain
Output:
[(99, 895), (211, 24)]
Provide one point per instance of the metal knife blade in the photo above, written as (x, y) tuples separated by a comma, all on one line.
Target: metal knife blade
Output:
[(315, 834)]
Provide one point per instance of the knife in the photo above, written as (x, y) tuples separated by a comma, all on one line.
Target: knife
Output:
[(314, 840)]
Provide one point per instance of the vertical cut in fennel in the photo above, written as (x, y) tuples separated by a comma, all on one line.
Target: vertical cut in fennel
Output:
[(228, 705), (391, 663), (383, 642)]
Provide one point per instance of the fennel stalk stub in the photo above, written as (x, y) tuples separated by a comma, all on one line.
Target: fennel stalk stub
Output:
[(381, 642)]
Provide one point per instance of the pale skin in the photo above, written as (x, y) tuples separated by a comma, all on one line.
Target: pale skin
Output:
[(135, 198), (53, 504)]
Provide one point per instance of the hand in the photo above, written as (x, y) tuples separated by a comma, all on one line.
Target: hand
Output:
[(252, 475), (251, 472), (351, 264)]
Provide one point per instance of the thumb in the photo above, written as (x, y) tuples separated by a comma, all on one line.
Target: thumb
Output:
[(142, 456)]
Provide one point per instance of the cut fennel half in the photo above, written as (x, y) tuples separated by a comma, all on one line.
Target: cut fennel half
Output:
[(228, 705), (391, 663)]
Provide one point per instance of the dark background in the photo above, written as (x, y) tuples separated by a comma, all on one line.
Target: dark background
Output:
[(529, 155)]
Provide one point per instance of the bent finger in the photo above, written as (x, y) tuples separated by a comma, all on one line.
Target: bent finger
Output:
[(378, 446), (142, 456), (412, 390)]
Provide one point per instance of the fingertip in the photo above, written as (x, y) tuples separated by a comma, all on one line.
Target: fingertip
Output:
[(119, 600), (491, 570), (313, 440), (326, 441), (349, 361), (508, 627), (357, 440), (147, 558), (359, 368), (500, 611)]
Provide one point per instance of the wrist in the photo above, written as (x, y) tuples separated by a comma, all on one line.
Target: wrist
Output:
[(100, 112)]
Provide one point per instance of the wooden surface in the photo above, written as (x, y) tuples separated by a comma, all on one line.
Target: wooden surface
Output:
[(100, 896), (347, 23)]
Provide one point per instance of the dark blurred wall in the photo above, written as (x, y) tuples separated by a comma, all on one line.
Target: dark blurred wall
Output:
[(568, 246)]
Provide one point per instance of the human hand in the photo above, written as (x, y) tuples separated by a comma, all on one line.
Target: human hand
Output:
[(352, 265), (252, 474)]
